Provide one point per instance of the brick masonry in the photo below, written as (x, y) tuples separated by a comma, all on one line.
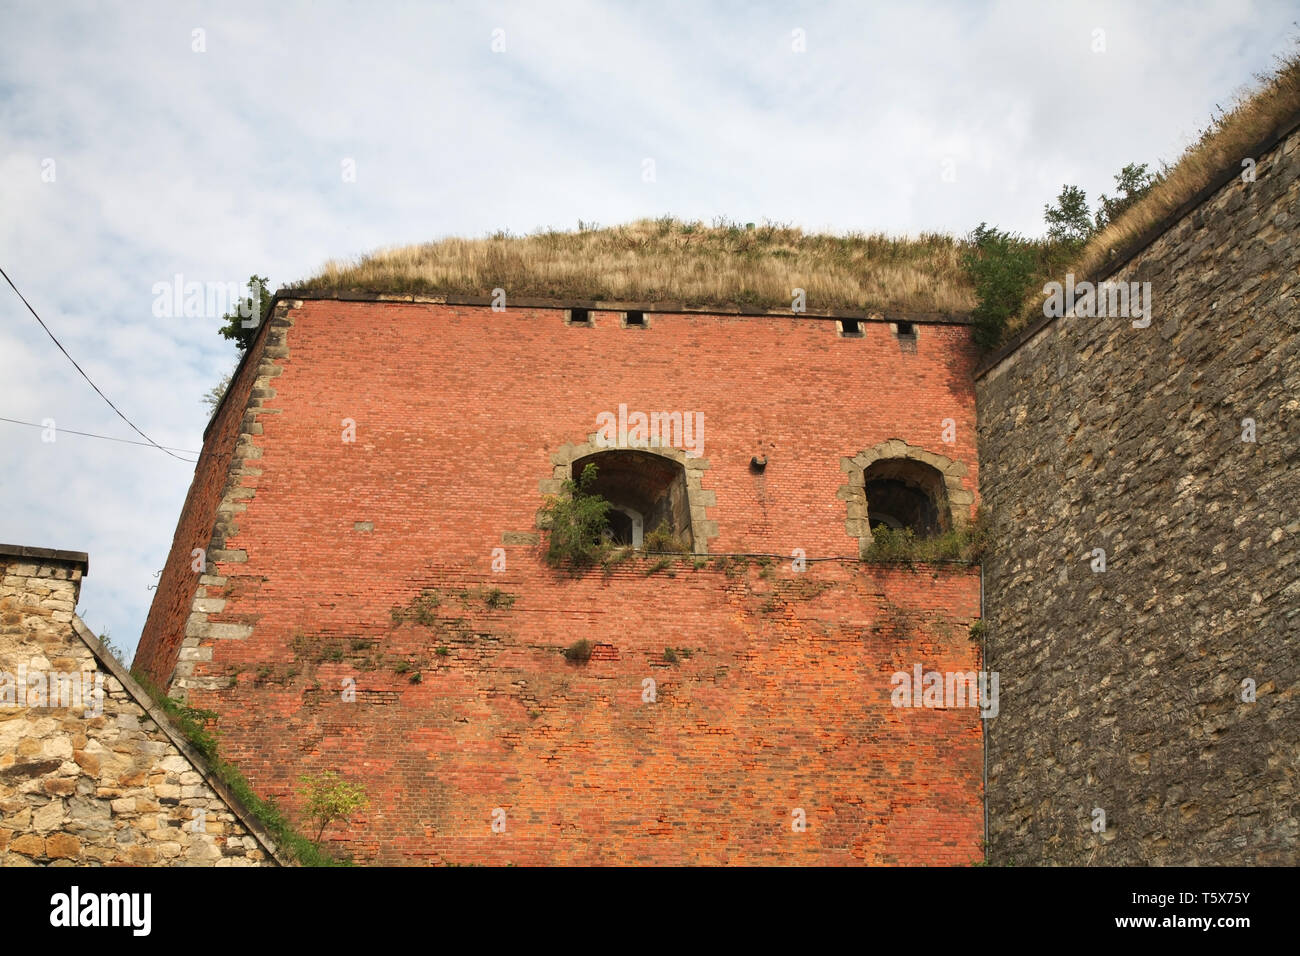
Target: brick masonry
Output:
[(1122, 689), (91, 773), (365, 567)]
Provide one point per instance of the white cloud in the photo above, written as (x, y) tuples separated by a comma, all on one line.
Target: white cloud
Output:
[(221, 163)]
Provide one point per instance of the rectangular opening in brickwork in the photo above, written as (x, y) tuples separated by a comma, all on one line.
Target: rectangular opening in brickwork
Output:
[(849, 328), (579, 317), (634, 320), (906, 330)]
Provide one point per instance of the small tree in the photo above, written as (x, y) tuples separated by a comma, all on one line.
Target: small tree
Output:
[(327, 798), (257, 302), (576, 519), (1131, 184), (1068, 221)]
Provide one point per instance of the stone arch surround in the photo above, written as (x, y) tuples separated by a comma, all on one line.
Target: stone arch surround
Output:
[(702, 528), (854, 493)]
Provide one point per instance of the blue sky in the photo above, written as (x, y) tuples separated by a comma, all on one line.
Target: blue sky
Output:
[(219, 162)]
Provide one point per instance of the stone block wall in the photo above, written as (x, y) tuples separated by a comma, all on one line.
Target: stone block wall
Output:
[(89, 773), (1162, 690)]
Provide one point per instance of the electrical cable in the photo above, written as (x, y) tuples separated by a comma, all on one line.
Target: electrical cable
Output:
[(79, 369), (125, 441)]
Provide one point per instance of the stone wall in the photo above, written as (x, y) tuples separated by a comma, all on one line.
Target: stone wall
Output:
[(1123, 688), (90, 771)]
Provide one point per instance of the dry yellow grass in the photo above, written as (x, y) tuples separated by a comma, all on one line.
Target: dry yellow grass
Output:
[(669, 261), (1256, 112)]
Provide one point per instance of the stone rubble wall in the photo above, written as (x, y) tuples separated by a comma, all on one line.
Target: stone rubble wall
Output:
[(1122, 690), (100, 782)]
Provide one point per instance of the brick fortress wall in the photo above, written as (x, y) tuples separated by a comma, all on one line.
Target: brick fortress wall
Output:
[(367, 565)]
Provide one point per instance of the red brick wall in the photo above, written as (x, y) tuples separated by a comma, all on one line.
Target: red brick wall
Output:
[(784, 701)]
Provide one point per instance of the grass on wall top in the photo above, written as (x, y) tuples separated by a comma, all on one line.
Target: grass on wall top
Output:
[(667, 260)]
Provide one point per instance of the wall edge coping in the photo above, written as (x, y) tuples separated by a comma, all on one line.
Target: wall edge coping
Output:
[(79, 558), (603, 305)]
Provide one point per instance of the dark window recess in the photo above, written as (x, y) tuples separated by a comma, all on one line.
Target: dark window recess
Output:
[(645, 492), (906, 330), (902, 493), (850, 327), (580, 317), (636, 318)]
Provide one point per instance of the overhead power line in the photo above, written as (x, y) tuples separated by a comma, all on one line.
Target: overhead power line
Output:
[(124, 441), (83, 373)]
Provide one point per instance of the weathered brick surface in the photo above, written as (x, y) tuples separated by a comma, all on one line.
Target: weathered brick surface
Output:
[(784, 701), (213, 476), (92, 783), (1122, 690)]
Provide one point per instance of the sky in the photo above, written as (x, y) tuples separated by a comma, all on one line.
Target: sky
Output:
[(145, 140)]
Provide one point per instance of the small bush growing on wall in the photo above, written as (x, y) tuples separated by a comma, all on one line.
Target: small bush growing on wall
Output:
[(327, 798), (579, 652), (576, 519), (662, 539), (421, 610), (900, 544)]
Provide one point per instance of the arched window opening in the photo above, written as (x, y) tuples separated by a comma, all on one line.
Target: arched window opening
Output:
[(645, 491), (903, 493)]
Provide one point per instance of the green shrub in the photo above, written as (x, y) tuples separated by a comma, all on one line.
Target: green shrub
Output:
[(327, 798), (966, 544), (576, 520), (1003, 268), (662, 539)]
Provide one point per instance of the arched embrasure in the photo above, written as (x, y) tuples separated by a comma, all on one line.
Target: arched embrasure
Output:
[(661, 485), (651, 486), (900, 485), (903, 493)]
